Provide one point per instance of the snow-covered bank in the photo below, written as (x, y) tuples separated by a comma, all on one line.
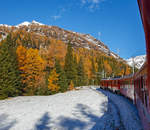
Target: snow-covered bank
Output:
[(86, 109), (127, 111), (65, 111)]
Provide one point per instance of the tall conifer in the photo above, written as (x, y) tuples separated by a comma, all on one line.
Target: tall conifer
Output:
[(69, 65), (10, 82), (93, 70), (62, 77), (81, 74)]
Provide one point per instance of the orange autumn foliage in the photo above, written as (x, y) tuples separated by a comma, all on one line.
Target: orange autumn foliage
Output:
[(31, 66), (71, 86), (53, 78), (107, 67), (21, 53), (56, 50)]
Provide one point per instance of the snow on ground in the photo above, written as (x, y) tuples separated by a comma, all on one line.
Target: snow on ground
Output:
[(65, 111), (85, 109), (127, 112)]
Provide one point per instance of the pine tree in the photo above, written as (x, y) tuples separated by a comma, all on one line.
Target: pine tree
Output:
[(93, 70), (81, 74), (99, 71), (69, 67), (75, 68), (10, 84), (61, 78)]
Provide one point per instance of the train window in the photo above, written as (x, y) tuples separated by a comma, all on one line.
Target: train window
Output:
[(142, 82), (145, 98), (137, 86), (139, 83), (142, 90)]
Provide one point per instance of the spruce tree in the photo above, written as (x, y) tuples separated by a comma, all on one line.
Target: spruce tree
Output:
[(93, 70), (62, 77), (75, 67), (10, 82), (69, 67), (81, 75), (99, 71)]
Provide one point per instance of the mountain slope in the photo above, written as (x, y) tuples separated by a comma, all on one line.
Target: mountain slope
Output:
[(77, 39), (138, 61)]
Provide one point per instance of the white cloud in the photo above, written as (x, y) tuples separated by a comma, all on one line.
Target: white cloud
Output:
[(56, 17), (95, 1), (92, 4), (59, 14), (83, 1)]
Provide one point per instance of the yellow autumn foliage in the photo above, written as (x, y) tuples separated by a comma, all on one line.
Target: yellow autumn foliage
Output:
[(52, 81), (31, 66), (71, 86)]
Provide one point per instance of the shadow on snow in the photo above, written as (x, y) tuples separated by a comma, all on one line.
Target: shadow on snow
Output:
[(43, 122), (67, 123), (104, 122), (86, 112), (5, 124)]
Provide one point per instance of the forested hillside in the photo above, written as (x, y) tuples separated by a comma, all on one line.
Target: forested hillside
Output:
[(36, 64)]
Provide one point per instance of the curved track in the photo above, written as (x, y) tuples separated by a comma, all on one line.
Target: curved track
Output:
[(113, 121), (121, 114)]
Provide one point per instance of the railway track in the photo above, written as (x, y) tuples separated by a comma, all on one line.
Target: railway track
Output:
[(114, 120)]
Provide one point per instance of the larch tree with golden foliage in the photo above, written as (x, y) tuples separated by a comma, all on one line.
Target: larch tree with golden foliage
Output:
[(31, 65), (21, 54), (52, 81), (71, 86), (56, 50)]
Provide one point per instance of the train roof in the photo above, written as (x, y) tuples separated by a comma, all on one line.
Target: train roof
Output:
[(131, 76), (120, 78)]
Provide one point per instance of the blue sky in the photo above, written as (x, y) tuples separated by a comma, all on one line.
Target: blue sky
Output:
[(117, 23)]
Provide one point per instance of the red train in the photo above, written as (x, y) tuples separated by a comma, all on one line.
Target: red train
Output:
[(137, 87)]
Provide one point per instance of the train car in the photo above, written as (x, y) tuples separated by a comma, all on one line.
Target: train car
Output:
[(112, 84), (123, 85), (137, 87), (142, 78), (141, 96), (127, 87), (133, 87)]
